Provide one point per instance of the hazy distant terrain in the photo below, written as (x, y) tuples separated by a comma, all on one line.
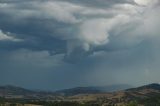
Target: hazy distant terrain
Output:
[(18, 92), (92, 89), (148, 95)]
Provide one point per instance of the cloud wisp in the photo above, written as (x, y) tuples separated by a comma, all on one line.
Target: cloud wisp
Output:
[(4, 36)]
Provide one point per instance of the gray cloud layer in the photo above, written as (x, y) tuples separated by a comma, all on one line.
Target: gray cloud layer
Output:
[(77, 35)]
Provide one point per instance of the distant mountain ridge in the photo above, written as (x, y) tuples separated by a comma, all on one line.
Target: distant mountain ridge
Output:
[(9, 89), (93, 90), (14, 90), (18, 92)]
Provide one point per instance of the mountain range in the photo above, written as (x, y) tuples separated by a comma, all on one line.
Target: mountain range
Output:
[(118, 96), (92, 89), (12, 91)]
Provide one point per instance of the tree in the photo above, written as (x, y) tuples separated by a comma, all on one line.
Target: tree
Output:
[(132, 103)]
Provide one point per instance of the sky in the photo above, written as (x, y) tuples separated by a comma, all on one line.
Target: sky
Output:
[(57, 44)]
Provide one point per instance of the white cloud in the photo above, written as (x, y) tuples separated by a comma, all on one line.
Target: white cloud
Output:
[(142, 2), (145, 2), (94, 31), (4, 36), (3, 5)]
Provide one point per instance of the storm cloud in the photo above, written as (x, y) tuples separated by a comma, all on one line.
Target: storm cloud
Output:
[(85, 39)]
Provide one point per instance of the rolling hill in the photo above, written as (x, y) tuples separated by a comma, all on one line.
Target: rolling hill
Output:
[(147, 94), (92, 90)]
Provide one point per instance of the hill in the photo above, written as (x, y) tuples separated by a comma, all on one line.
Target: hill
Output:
[(15, 92), (147, 95), (92, 90), (154, 86), (10, 91)]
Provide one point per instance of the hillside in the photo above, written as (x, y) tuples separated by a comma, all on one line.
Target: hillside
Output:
[(144, 95), (92, 90), (11, 91), (22, 93), (153, 86)]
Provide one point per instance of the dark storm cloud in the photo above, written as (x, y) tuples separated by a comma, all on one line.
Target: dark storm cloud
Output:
[(83, 41), (36, 22), (35, 31), (99, 3)]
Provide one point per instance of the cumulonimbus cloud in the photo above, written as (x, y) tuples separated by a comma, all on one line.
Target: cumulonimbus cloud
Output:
[(81, 26)]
